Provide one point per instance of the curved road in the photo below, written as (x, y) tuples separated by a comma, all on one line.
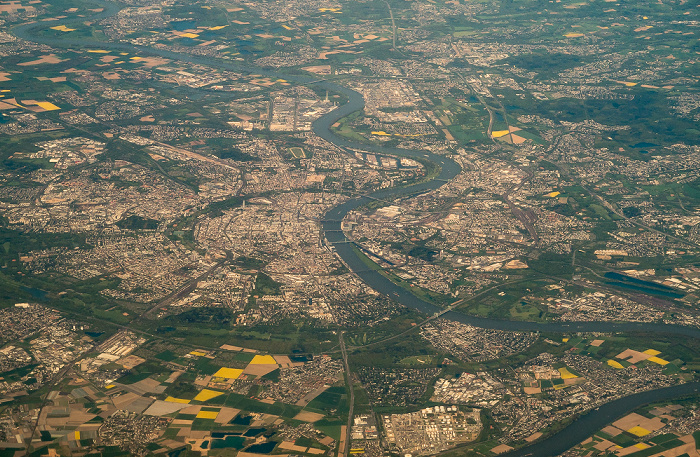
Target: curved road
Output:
[(331, 226)]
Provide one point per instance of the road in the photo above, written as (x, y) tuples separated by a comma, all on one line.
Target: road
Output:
[(351, 396), (393, 25)]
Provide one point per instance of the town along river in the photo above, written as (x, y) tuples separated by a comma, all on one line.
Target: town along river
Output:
[(590, 423), (448, 169), (331, 226)]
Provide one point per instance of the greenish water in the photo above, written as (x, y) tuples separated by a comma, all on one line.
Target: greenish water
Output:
[(230, 442)]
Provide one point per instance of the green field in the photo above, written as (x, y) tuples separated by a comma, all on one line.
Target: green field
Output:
[(298, 153)]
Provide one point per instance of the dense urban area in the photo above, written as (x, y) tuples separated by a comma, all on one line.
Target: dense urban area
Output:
[(518, 251)]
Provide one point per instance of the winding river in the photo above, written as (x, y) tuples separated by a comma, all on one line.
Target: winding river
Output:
[(331, 227)]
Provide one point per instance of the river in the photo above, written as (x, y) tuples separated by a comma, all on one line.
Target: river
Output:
[(331, 227)]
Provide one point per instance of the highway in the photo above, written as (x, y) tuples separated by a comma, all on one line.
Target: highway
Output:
[(351, 397)]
